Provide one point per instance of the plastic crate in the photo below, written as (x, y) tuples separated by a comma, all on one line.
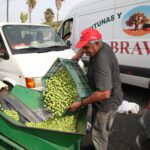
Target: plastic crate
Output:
[(75, 71)]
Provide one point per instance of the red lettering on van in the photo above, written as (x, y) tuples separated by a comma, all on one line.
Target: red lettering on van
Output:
[(146, 47), (124, 47), (114, 46), (137, 49)]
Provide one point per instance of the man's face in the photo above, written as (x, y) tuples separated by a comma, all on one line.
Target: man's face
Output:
[(91, 49)]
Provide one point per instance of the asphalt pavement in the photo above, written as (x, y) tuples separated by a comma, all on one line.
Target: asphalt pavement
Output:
[(126, 126)]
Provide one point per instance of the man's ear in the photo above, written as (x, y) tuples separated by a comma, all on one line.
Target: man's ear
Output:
[(100, 44)]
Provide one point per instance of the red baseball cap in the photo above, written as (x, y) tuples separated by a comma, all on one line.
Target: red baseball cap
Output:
[(88, 35)]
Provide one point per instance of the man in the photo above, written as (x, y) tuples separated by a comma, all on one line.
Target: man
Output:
[(104, 79)]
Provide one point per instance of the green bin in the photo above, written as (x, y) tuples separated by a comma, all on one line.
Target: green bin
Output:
[(21, 137)]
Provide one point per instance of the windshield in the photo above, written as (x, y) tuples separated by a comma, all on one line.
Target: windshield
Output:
[(30, 38)]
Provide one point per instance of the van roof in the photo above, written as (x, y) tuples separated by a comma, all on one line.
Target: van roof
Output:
[(86, 4), (93, 5)]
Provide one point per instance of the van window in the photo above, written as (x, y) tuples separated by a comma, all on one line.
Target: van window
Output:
[(31, 39), (3, 50), (65, 31)]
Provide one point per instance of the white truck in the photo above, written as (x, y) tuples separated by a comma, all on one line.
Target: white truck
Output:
[(27, 51), (125, 26)]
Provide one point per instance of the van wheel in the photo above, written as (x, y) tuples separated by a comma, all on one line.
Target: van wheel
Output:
[(10, 86)]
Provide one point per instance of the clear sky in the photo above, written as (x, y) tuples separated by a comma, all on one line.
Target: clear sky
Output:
[(18, 6)]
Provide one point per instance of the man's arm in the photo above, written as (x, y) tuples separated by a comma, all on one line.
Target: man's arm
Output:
[(94, 97), (78, 55)]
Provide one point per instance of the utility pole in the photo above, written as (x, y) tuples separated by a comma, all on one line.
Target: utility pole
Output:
[(7, 10)]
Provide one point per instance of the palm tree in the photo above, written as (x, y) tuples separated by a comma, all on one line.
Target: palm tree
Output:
[(49, 16), (23, 17), (58, 6), (31, 4)]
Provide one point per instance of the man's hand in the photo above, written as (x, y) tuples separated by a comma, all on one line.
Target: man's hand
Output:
[(78, 55), (73, 107), (3, 85)]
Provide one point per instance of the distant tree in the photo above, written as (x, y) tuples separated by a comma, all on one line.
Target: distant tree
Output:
[(58, 6), (56, 25), (31, 5), (49, 16), (137, 19), (23, 17)]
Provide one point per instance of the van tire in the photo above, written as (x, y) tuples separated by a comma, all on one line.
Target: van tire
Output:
[(10, 86)]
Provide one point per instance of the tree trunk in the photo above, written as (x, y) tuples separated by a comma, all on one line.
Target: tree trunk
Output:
[(30, 16), (7, 10), (57, 15), (136, 27)]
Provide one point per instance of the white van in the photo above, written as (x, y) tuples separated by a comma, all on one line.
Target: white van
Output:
[(125, 26), (27, 52)]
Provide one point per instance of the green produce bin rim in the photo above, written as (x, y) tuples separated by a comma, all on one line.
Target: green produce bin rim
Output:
[(5, 117), (9, 142)]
